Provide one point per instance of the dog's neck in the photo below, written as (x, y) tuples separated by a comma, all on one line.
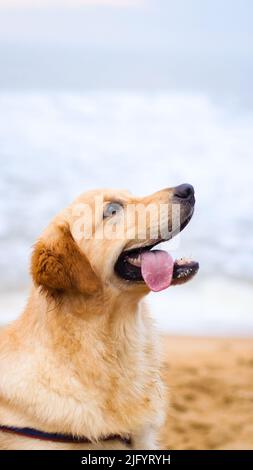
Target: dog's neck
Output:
[(70, 319)]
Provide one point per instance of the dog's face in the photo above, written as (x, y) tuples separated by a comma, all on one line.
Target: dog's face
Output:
[(105, 240)]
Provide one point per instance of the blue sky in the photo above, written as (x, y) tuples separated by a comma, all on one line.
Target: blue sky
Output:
[(193, 44)]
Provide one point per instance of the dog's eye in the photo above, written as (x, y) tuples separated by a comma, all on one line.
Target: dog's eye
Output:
[(111, 209)]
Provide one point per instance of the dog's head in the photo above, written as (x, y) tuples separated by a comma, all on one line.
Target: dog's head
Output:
[(105, 240)]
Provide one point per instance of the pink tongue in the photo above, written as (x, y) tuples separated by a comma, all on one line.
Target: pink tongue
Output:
[(157, 269)]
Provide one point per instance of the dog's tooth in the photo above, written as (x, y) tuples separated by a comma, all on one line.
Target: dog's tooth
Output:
[(136, 261), (183, 261)]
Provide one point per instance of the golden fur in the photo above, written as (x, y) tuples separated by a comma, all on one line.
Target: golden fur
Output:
[(83, 356)]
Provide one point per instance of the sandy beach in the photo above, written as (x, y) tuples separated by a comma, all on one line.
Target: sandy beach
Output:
[(211, 393)]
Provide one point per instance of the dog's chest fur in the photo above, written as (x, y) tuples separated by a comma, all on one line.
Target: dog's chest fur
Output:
[(88, 377)]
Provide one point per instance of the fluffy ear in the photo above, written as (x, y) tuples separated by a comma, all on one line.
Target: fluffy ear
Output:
[(59, 265)]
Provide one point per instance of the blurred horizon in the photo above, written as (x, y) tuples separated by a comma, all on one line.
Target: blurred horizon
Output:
[(137, 45)]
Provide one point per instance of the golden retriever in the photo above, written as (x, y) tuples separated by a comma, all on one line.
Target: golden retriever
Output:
[(80, 368)]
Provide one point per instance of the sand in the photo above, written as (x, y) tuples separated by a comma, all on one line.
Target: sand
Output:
[(211, 393)]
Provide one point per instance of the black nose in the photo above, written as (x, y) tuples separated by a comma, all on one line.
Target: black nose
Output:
[(184, 191)]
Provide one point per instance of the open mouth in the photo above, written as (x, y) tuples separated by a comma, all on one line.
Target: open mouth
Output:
[(155, 268)]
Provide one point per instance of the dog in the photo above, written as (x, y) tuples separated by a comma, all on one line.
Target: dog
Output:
[(81, 368)]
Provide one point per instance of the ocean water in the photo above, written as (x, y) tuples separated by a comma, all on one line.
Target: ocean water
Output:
[(55, 145)]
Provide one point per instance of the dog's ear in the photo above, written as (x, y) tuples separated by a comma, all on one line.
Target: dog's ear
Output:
[(59, 265)]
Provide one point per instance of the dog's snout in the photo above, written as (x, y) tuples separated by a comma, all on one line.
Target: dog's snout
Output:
[(184, 192)]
